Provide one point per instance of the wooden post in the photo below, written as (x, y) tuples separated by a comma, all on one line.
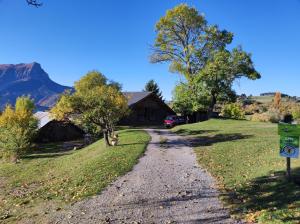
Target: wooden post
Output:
[(288, 169)]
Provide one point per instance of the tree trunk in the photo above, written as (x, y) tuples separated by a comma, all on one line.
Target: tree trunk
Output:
[(187, 121), (105, 135), (212, 104)]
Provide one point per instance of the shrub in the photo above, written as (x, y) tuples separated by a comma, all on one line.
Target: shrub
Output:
[(260, 117), (295, 111), (274, 116), (289, 108), (233, 110), (17, 128), (252, 109), (263, 108), (269, 116)]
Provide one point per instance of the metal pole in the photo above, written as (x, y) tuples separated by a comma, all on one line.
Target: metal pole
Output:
[(288, 168)]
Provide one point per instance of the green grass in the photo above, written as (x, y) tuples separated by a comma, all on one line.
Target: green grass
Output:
[(48, 181), (244, 158)]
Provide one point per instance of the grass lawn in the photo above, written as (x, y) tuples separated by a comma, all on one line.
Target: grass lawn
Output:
[(244, 158), (47, 181)]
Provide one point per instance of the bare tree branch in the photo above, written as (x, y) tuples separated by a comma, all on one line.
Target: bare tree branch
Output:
[(35, 3)]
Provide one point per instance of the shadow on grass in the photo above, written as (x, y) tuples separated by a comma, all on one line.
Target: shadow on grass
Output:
[(271, 193), (52, 150), (139, 127), (193, 132), (45, 155), (210, 140), (196, 141), (124, 144)]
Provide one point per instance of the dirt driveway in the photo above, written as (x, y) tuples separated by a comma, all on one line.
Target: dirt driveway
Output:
[(166, 186)]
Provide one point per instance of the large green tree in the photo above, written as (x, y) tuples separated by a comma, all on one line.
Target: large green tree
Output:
[(94, 101), (152, 86), (194, 49), (186, 41)]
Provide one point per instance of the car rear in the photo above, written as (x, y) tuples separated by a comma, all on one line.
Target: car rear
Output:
[(170, 121)]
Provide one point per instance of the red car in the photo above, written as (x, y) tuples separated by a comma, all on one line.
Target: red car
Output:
[(170, 121)]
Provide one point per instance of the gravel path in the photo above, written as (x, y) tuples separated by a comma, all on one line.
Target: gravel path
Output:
[(166, 186)]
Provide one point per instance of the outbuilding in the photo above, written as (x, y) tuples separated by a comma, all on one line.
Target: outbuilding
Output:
[(145, 109), (51, 130)]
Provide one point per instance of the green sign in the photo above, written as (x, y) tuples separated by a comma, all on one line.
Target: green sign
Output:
[(289, 146), (289, 129)]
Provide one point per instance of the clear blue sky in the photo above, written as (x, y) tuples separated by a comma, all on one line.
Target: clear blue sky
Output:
[(71, 37)]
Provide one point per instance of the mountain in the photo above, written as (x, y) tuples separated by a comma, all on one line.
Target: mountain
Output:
[(28, 79)]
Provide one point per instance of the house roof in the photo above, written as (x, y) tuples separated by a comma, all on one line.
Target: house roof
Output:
[(43, 118), (134, 97)]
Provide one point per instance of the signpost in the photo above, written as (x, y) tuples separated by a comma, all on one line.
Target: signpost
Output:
[(289, 146), (289, 143)]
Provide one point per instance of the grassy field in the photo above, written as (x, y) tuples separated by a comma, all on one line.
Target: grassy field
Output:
[(244, 158), (266, 99), (47, 181), (263, 99)]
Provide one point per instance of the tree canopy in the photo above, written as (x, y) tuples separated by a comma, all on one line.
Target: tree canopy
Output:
[(187, 99), (94, 101), (198, 51), (17, 128), (186, 41), (222, 69), (152, 86)]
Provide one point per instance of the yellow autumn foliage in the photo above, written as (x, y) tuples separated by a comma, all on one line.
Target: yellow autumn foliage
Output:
[(96, 104), (17, 128)]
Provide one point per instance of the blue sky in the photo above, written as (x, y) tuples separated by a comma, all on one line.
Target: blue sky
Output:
[(71, 37)]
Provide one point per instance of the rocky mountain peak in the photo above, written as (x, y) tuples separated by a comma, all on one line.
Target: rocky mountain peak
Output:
[(21, 72), (28, 79)]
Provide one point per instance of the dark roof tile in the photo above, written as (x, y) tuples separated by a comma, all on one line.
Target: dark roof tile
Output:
[(134, 97)]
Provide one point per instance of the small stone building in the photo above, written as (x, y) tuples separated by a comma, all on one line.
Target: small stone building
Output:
[(51, 130), (145, 109)]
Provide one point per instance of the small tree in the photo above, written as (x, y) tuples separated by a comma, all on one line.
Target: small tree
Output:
[(277, 100), (152, 86), (95, 101), (17, 128), (187, 100)]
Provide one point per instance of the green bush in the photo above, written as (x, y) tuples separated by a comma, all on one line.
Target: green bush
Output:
[(233, 110), (295, 111)]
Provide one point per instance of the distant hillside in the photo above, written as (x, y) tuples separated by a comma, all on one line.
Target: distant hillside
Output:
[(270, 98), (28, 79), (273, 94)]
